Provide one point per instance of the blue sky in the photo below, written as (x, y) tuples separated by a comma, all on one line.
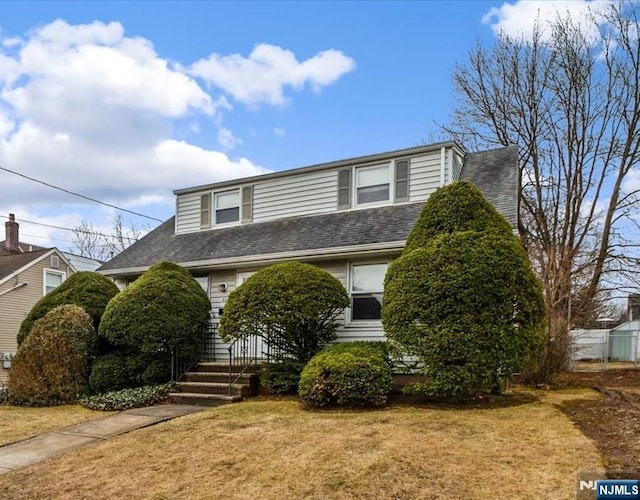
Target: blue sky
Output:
[(126, 101)]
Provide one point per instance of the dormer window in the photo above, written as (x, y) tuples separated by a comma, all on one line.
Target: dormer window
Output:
[(227, 207), (372, 184)]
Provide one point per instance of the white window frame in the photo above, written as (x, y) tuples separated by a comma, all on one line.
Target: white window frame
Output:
[(214, 221), (46, 271), (391, 177), (349, 311)]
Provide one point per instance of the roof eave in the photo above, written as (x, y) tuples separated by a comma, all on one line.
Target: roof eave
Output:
[(369, 249)]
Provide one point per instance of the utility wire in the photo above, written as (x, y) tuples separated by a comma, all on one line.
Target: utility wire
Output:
[(79, 195), (76, 230)]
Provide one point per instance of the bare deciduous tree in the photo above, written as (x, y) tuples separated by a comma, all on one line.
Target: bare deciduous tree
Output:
[(571, 101), (88, 241)]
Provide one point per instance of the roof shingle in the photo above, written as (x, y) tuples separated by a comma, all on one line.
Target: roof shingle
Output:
[(11, 263)]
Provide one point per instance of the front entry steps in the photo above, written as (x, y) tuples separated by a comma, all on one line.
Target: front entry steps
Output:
[(207, 384)]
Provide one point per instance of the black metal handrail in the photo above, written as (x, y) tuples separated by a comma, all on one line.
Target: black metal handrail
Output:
[(243, 353), (181, 363)]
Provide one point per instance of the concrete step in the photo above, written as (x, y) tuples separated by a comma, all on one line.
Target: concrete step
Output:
[(190, 398), (214, 388)]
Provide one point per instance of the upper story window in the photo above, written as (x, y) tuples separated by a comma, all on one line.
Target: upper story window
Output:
[(227, 207), (52, 279), (366, 288), (374, 184)]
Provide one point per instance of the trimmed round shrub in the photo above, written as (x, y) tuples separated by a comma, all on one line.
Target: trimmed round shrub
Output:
[(282, 377), (469, 306), (52, 365), (113, 372), (89, 290), (293, 306), (350, 374), (165, 310), (456, 207)]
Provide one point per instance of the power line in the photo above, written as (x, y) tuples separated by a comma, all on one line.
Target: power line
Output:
[(74, 230), (79, 195)]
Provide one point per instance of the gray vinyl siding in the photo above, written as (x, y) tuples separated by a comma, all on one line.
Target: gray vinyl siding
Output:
[(424, 176), (306, 194), (313, 193), (188, 213), (15, 305)]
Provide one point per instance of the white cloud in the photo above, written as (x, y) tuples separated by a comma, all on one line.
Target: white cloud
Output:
[(279, 131), (518, 18), (262, 77), (227, 140), (92, 110)]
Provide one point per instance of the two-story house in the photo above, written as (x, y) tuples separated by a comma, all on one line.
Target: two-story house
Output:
[(350, 217)]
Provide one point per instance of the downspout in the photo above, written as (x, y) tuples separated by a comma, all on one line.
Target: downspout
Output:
[(443, 164), (15, 287)]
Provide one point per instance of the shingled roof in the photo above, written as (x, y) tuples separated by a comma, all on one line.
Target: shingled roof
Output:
[(494, 172), (22, 248), (11, 263), (297, 234)]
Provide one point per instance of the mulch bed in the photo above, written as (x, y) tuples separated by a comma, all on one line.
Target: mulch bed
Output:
[(612, 422)]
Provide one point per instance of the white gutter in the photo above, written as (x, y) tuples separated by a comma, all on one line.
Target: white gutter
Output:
[(15, 287), (313, 254)]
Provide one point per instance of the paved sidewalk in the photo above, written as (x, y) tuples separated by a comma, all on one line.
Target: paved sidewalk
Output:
[(23, 453)]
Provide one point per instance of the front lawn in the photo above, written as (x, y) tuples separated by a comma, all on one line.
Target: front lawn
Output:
[(20, 422), (267, 448)]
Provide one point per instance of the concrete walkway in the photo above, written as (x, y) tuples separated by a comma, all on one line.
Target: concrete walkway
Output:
[(23, 453)]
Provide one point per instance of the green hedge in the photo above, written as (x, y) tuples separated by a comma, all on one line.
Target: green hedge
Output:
[(163, 310), (469, 306), (455, 207), (282, 377), (89, 290), (293, 306), (115, 371), (347, 374)]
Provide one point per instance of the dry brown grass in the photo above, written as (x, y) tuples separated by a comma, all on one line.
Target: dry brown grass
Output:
[(18, 422), (275, 449)]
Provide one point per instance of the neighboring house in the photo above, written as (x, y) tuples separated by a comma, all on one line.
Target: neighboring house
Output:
[(350, 217), (27, 273)]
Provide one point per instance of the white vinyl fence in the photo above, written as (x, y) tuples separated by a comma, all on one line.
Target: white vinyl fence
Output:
[(598, 350)]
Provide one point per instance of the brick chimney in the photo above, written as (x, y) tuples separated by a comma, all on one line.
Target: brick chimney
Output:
[(11, 234)]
